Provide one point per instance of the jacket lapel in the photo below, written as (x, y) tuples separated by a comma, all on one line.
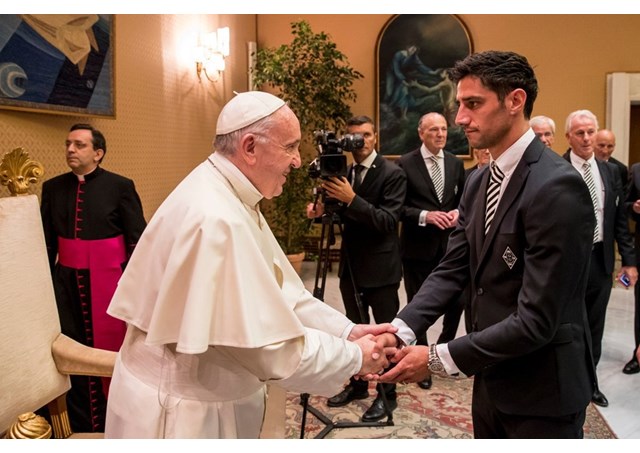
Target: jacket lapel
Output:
[(481, 203), (450, 180), (372, 174), (422, 169), (607, 185), (511, 192)]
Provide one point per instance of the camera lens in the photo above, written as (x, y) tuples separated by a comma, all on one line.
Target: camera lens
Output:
[(352, 142)]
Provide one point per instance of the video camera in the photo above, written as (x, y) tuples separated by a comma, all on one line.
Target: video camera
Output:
[(330, 160)]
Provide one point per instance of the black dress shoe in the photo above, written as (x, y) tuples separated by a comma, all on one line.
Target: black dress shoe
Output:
[(599, 399), (426, 384), (346, 396), (377, 410), (632, 367)]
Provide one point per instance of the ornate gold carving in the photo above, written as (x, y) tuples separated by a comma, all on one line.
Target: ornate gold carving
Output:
[(18, 171), (29, 426)]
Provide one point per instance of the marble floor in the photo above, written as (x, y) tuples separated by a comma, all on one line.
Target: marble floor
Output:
[(622, 391)]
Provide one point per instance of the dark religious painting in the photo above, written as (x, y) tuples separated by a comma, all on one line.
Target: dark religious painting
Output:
[(57, 63), (414, 52)]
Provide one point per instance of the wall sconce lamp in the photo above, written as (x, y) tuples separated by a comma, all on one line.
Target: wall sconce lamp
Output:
[(211, 51)]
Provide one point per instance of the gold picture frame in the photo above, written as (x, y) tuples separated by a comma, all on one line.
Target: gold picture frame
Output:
[(414, 52)]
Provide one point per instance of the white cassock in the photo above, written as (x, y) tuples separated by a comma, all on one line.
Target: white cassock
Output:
[(214, 312)]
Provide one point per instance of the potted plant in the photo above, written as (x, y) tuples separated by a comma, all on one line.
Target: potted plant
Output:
[(315, 79)]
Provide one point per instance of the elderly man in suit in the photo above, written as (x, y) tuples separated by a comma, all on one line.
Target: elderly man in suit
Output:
[(604, 146), (524, 248), (608, 200), (482, 158), (544, 128), (370, 266), (435, 179)]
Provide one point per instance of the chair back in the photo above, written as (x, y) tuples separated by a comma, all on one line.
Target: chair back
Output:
[(29, 321)]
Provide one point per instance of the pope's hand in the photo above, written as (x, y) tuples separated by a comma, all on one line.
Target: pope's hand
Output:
[(373, 357), (389, 344), (360, 330)]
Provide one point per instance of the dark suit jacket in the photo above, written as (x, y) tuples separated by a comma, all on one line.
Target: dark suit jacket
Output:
[(615, 220), (425, 243), (623, 170), (370, 235), (468, 171), (529, 336), (633, 195)]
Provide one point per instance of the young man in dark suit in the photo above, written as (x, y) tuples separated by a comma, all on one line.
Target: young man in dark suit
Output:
[(435, 179), (612, 227), (524, 249), (372, 196)]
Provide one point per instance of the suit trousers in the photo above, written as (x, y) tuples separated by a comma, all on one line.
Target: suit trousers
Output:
[(415, 273), (597, 299), (490, 423), (636, 316), (384, 303)]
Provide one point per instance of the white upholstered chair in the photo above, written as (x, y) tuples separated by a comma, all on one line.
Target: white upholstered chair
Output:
[(36, 359)]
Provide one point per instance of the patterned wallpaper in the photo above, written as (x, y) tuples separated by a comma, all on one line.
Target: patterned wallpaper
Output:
[(165, 117)]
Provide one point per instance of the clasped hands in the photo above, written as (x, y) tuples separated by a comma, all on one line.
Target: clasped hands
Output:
[(380, 349), (442, 219)]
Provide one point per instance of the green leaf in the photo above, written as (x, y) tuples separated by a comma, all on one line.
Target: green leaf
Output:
[(316, 80)]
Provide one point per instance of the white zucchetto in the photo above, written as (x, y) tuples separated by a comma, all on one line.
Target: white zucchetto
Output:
[(245, 109)]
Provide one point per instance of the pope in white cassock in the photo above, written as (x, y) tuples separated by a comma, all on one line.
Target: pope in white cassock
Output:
[(214, 309)]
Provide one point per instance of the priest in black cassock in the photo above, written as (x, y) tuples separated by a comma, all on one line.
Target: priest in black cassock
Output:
[(92, 220)]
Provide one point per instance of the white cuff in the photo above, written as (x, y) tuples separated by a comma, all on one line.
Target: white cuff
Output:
[(347, 331), (448, 363), (404, 331), (422, 219)]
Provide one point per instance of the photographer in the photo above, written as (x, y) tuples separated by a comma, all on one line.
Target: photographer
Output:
[(371, 199)]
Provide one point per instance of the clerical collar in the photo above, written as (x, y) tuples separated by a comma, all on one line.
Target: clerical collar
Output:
[(89, 176), (246, 191)]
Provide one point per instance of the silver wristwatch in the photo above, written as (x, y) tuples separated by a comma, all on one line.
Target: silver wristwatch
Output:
[(435, 364)]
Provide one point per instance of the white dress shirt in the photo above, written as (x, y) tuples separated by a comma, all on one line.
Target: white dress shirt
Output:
[(577, 162), (426, 156)]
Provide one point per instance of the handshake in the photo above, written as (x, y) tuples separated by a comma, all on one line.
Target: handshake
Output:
[(380, 350)]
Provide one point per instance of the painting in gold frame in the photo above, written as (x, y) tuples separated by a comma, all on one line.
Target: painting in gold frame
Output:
[(414, 52)]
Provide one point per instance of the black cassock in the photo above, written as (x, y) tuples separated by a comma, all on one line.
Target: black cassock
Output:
[(91, 228)]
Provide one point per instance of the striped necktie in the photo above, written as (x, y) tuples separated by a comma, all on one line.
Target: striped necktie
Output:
[(493, 195), (436, 177), (588, 179)]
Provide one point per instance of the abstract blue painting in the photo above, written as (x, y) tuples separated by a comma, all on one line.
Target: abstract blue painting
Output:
[(57, 63)]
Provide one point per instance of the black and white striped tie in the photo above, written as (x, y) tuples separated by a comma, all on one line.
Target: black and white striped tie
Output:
[(436, 177), (493, 195), (588, 179)]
